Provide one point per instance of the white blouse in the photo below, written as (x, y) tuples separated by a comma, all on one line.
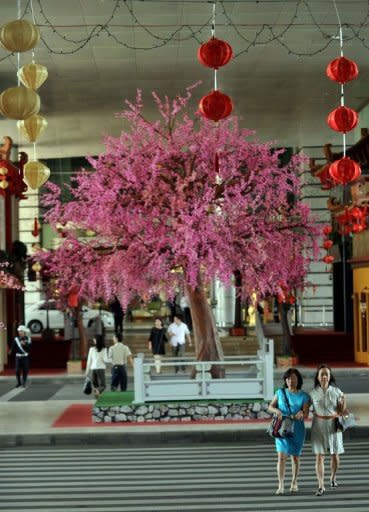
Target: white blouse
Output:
[(325, 402), (96, 360)]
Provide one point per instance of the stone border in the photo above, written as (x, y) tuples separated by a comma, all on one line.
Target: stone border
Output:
[(186, 412)]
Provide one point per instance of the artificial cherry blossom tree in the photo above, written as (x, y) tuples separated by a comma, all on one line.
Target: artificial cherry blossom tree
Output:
[(177, 203)]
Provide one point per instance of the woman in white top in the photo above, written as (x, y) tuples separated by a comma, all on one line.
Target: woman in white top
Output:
[(96, 364), (328, 401)]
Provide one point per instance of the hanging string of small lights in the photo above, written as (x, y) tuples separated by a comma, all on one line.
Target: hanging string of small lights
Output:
[(247, 36)]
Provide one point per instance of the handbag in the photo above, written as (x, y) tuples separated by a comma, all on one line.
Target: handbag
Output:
[(87, 386), (282, 427), (345, 421)]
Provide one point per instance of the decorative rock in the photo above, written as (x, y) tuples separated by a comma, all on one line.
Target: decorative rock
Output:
[(141, 410)]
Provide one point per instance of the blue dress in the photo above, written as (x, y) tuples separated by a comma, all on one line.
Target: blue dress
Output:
[(293, 445)]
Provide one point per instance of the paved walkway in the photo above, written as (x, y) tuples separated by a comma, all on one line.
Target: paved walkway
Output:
[(31, 422)]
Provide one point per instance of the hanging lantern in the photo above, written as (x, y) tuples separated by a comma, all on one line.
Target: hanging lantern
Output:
[(215, 106), (32, 127), (358, 228), (344, 170), (215, 53), (36, 227), (19, 36), (19, 102), (328, 259), (342, 119), (32, 75), (36, 174), (358, 213), (342, 70), (3, 178), (327, 244), (327, 230), (72, 299)]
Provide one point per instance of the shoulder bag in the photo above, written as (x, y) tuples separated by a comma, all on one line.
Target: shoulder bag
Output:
[(282, 427), (345, 421)]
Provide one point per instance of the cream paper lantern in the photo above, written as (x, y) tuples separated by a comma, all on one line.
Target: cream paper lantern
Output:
[(19, 35), (19, 102), (33, 75), (36, 174), (32, 127)]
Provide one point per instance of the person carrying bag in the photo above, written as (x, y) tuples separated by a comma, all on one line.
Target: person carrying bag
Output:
[(290, 406)]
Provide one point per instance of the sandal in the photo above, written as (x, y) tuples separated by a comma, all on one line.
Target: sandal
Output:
[(334, 483), (320, 491), (280, 491), (294, 487)]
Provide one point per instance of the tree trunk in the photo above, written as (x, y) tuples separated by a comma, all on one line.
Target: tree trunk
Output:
[(207, 343), (286, 345), (82, 334)]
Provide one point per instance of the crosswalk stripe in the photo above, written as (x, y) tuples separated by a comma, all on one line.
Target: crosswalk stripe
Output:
[(203, 478)]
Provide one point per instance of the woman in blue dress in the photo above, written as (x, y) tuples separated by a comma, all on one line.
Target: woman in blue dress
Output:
[(298, 410)]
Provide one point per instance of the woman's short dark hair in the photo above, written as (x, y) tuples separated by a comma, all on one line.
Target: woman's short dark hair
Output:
[(160, 320), (293, 371), (332, 380)]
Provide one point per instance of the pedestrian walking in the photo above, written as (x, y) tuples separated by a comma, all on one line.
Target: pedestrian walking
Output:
[(178, 333), (185, 307), (117, 310), (20, 347), (292, 401), (119, 356), (97, 360), (328, 402), (157, 341)]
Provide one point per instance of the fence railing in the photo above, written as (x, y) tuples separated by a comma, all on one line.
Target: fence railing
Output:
[(242, 377)]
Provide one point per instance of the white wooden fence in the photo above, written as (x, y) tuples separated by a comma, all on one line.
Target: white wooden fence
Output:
[(244, 377)]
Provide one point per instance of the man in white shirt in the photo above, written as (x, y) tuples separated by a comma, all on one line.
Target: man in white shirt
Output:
[(178, 333), (119, 355)]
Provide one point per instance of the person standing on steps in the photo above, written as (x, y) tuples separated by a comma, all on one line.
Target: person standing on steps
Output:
[(292, 401), (20, 347), (157, 341), (178, 334)]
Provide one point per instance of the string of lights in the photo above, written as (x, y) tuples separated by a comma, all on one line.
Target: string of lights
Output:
[(247, 36)]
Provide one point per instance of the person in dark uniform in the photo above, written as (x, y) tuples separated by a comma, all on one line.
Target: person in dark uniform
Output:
[(20, 347)]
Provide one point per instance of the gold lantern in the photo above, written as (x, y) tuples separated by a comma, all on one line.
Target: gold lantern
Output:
[(36, 174), (19, 102), (32, 127), (4, 182), (33, 75), (19, 36)]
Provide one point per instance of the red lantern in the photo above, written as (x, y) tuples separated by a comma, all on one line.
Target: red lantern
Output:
[(358, 228), (342, 119), (72, 299), (328, 259), (215, 106), (342, 70), (327, 230), (327, 244), (36, 227), (215, 53), (344, 170), (358, 213)]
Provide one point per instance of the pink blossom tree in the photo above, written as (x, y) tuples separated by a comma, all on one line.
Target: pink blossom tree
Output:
[(177, 203)]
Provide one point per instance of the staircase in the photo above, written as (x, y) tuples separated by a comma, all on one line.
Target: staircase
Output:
[(136, 338), (316, 304)]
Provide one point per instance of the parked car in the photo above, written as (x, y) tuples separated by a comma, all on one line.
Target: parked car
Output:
[(36, 316)]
